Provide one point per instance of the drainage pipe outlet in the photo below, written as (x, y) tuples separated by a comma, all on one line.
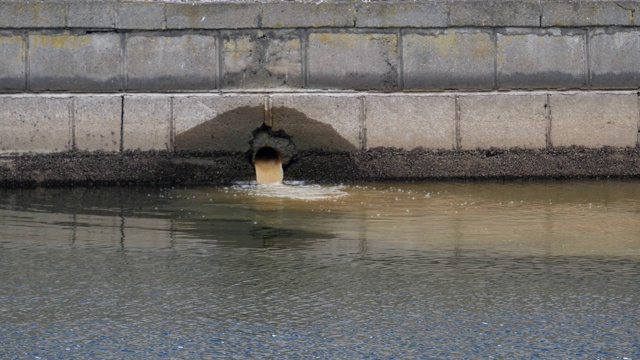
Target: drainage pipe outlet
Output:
[(270, 150)]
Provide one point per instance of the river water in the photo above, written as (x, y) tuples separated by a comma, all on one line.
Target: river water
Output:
[(372, 271)]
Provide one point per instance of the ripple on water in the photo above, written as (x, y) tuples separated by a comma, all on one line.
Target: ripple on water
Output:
[(433, 270)]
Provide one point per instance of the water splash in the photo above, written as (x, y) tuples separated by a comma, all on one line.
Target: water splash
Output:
[(296, 190)]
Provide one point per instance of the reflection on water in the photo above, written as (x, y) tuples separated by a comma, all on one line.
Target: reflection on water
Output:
[(431, 270)]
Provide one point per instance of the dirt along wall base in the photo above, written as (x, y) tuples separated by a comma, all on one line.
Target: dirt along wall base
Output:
[(318, 166)]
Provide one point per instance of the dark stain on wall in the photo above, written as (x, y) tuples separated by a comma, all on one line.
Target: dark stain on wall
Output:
[(234, 131)]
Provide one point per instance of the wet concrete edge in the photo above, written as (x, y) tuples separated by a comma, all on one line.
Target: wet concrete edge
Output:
[(379, 164)]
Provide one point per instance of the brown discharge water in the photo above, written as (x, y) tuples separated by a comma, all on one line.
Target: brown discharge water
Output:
[(519, 218), (268, 166), (268, 171)]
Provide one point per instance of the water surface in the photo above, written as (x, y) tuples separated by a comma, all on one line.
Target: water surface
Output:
[(429, 270)]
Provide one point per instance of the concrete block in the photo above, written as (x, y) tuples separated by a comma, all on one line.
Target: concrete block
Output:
[(260, 59), (450, 60), (549, 59), (216, 122), (35, 123), (12, 63), (141, 15), (411, 121), (308, 14), (594, 119), (517, 13), (353, 61), (97, 122), (147, 122), (615, 59), (503, 121), (92, 15), (471, 13), (213, 15), (588, 13), (185, 62), (635, 7), (32, 14), (330, 122), (75, 62), (494, 13), (384, 14)]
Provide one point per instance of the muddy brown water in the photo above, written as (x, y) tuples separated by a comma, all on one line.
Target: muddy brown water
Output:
[(523, 269)]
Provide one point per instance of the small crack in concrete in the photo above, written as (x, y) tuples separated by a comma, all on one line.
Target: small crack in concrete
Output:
[(631, 11)]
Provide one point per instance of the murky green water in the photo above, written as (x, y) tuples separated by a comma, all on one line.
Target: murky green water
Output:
[(433, 270)]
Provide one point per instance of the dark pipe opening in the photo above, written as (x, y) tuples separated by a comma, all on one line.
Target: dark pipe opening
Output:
[(267, 153), (268, 145)]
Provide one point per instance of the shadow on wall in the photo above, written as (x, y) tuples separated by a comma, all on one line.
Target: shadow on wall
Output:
[(235, 131)]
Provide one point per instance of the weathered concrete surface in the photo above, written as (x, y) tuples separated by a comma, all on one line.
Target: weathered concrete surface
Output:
[(12, 62), (329, 14), (588, 13), (614, 59), (448, 60), (182, 62), (506, 121), (89, 62), (395, 45), (92, 14), (353, 61), (333, 123), (308, 15), (548, 59), (141, 15), (97, 121), (299, 59), (261, 59), (162, 168), (216, 122), (408, 122), (495, 13), (386, 14), (32, 14), (594, 120), (146, 123), (222, 15), (35, 124)]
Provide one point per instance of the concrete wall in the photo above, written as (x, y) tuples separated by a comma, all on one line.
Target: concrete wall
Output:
[(87, 46), (443, 74), (446, 121)]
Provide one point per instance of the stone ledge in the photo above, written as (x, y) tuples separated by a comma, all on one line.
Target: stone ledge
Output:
[(571, 13), (160, 15)]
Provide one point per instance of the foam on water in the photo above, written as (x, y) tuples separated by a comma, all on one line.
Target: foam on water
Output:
[(297, 190)]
